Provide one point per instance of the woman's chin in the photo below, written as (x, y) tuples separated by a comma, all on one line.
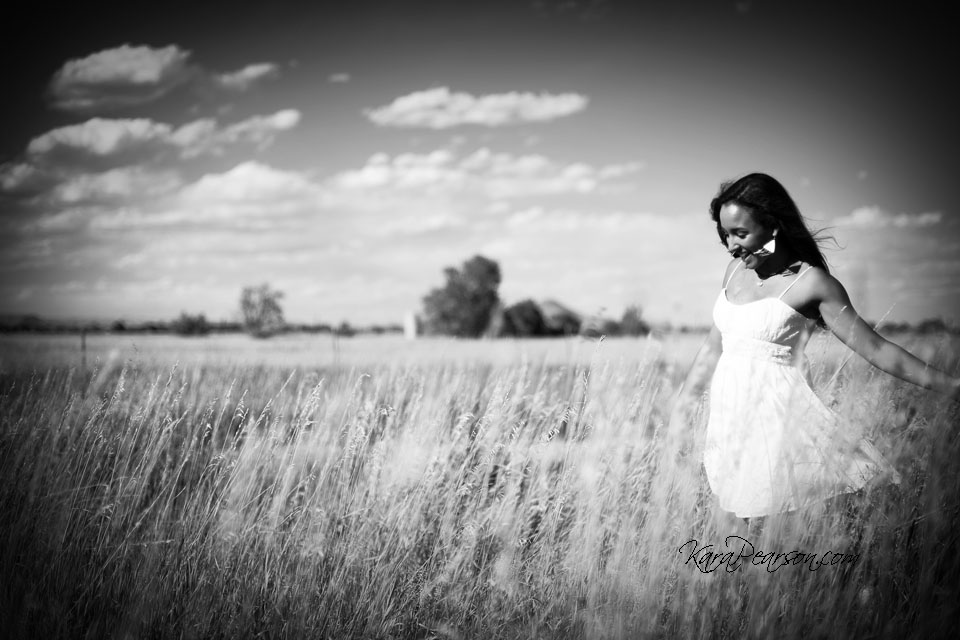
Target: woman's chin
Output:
[(750, 262)]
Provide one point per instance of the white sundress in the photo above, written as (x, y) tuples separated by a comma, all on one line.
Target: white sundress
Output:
[(771, 444)]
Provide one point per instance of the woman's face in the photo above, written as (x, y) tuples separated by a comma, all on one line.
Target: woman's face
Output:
[(745, 236)]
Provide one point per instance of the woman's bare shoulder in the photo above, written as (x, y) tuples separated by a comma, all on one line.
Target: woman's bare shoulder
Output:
[(821, 285)]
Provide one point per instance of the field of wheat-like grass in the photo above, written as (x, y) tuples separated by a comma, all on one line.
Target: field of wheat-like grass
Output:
[(445, 497)]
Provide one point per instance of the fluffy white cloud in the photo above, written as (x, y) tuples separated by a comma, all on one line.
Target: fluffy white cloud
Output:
[(406, 170), (105, 137), (250, 182), (245, 78), (440, 109), (496, 175), (101, 136), (874, 216), (194, 135), (125, 75), (255, 194), (115, 185), (123, 173), (202, 137), (133, 75)]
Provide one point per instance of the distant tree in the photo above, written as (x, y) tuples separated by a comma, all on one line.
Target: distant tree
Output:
[(260, 310), (523, 320), (463, 306), (190, 325), (632, 322), (345, 330), (118, 326)]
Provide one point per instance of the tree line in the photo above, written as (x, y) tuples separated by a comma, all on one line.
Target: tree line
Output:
[(467, 305), (260, 312)]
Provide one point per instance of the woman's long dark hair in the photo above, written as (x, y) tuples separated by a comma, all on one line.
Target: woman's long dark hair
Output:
[(774, 209)]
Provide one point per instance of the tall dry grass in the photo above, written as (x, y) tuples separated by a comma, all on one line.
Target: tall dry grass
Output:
[(525, 500)]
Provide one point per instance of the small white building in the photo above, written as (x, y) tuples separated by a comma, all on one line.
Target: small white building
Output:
[(411, 325)]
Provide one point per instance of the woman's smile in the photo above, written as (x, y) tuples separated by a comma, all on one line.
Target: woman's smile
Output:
[(749, 260)]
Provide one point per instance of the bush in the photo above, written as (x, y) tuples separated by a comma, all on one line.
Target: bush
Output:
[(523, 319), (189, 325)]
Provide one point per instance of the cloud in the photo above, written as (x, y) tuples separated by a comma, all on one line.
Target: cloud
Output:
[(409, 193), (122, 76), (245, 78), (483, 172), (110, 163), (100, 137), (115, 185), (128, 76), (249, 182), (203, 137), (339, 77), (440, 109), (105, 142), (131, 200), (874, 216)]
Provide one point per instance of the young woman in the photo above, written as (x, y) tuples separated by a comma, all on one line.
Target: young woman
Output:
[(771, 444)]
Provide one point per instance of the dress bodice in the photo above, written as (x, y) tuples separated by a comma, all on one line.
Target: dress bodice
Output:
[(768, 328)]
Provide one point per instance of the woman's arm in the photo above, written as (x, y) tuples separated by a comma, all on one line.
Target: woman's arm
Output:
[(703, 366), (694, 385), (850, 328)]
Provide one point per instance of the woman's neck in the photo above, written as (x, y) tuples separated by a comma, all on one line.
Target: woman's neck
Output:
[(777, 263)]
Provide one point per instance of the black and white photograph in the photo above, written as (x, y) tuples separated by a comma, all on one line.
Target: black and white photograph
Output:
[(513, 319)]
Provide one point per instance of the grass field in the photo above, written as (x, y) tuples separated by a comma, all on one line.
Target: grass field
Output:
[(159, 487)]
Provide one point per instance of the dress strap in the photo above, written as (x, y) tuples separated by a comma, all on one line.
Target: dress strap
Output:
[(731, 274), (780, 297)]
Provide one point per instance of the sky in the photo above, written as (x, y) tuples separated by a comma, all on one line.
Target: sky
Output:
[(156, 158)]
